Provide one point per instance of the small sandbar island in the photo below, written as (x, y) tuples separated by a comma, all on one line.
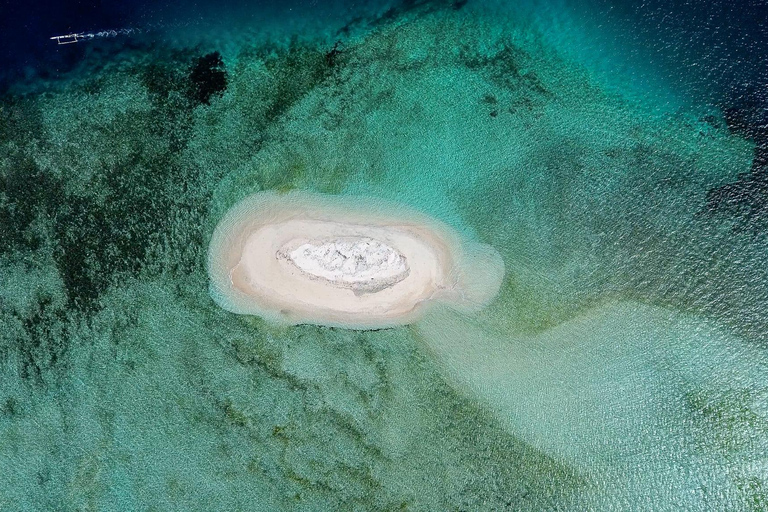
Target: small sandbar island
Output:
[(357, 263)]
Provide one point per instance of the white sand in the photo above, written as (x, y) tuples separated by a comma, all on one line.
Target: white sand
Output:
[(339, 261), (360, 264)]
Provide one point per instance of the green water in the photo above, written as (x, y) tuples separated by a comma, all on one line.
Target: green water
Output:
[(622, 366)]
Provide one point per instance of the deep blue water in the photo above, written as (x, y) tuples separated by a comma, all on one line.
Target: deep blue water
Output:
[(718, 49), (714, 51), (711, 45), (27, 50)]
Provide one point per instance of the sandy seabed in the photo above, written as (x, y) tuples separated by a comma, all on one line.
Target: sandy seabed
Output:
[(250, 274)]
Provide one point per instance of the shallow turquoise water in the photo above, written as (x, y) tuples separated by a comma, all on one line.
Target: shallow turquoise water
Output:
[(622, 366)]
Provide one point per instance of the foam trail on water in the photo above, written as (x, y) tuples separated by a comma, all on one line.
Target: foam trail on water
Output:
[(86, 36)]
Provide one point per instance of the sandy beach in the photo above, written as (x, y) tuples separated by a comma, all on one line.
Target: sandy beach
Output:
[(251, 271)]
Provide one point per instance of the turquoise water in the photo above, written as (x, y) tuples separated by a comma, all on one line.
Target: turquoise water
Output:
[(621, 367)]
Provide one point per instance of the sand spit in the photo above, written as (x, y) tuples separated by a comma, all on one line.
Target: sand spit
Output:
[(359, 263)]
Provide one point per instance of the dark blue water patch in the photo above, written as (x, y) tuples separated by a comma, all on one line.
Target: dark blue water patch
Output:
[(710, 46), (714, 50), (745, 201), (27, 50)]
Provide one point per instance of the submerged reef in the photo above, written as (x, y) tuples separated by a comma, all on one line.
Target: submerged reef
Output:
[(125, 386)]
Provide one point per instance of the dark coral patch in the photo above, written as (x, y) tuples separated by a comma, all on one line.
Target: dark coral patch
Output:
[(332, 56), (44, 342), (207, 78), (27, 192)]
